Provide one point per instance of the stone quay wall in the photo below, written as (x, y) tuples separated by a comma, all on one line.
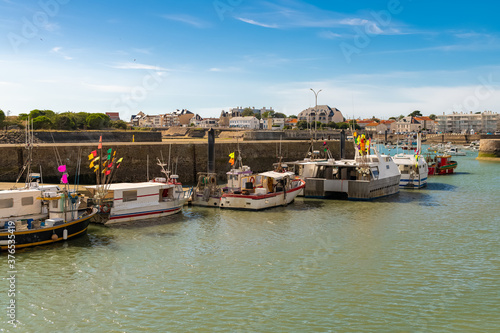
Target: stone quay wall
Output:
[(489, 148), (17, 136), (187, 159)]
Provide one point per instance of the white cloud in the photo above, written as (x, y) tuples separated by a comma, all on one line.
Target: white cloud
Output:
[(58, 50), (249, 21), (187, 19), (108, 88), (134, 65)]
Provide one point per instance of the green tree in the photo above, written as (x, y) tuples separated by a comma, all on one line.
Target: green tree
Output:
[(2, 118), (393, 118), (415, 113), (332, 124), (97, 121), (23, 116), (302, 124), (81, 120), (65, 121), (293, 116), (37, 113), (279, 115), (119, 124), (247, 112), (376, 119), (268, 114), (42, 122), (343, 125), (432, 116)]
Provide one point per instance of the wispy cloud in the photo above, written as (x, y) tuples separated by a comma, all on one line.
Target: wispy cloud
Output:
[(134, 65), (294, 14), (225, 69), (249, 21), (58, 50), (187, 19), (107, 88)]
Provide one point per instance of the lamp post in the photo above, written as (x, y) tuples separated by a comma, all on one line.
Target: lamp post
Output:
[(315, 108)]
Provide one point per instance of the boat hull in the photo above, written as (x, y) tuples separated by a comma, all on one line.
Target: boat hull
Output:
[(198, 200), (131, 215), (42, 236), (351, 189), (260, 202)]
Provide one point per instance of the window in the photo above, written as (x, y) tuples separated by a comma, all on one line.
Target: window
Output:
[(129, 196), (6, 203), (27, 201)]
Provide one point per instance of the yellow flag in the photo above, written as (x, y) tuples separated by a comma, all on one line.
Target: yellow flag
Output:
[(119, 160), (91, 165), (91, 156), (231, 155)]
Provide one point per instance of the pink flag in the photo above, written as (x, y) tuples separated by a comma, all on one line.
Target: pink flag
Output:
[(61, 168), (108, 172), (64, 178)]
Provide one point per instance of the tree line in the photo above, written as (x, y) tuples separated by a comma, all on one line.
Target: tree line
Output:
[(69, 121)]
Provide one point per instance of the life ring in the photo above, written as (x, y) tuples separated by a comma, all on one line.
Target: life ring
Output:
[(252, 180), (105, 208), (212, 179)]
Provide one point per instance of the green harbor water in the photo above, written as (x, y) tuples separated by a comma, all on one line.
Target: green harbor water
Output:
[(420, 261)]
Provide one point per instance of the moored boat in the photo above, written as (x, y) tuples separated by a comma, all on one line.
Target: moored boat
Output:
[(441, 165), (264, 190), (413, 168), (126, 202), (367, 176)]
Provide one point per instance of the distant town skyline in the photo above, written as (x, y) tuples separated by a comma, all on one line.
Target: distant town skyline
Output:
[(369, 58)]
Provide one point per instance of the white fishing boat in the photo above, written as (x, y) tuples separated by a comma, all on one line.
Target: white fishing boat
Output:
[(264, 190), (208, 193), (413, 167), (126, 202), (306, 168), (454, 151), (367, 176)]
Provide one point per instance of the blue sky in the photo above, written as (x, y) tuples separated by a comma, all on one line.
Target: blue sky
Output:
[(369, 58)]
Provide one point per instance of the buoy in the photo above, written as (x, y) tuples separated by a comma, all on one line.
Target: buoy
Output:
[(54, 237), (65, 234)]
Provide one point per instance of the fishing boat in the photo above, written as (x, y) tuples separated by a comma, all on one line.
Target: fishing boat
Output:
[(367, 176), (413, 168), (454, 151), (41, 214), (306, 168), (60, 217), (264, 190), (207, 192), (441, 165), (127, 202)]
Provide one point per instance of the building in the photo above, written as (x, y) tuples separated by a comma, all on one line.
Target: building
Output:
[(244, 122), (459, 122), (407, 125), (427, 123), (321, 113), (113, 116)]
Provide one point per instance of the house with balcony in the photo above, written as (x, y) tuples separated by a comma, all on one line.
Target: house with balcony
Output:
[(322, 113), (248, 122)]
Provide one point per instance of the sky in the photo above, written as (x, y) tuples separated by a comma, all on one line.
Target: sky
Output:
[(369, 58)]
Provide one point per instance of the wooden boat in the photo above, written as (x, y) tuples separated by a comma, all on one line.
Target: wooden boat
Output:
[(264, 190), (50, 217), (441, 165), (40, 214)]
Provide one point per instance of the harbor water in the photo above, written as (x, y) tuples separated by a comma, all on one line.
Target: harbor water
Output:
[(420, 261)]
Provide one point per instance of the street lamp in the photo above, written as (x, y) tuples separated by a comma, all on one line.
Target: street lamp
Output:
[(316, 107)]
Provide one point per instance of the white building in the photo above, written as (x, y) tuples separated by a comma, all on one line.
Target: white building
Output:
[(459, 122), (244, 122)]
